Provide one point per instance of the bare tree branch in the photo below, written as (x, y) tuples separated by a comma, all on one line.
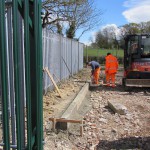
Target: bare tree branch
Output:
[(79, 14)]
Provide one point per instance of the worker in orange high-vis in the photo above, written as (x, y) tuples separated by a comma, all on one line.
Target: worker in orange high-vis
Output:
[(111, 67), (95, 71)]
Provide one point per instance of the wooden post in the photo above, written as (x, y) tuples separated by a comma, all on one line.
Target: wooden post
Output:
[(81, 128), (87, 54), (49, 74), (54, 123)]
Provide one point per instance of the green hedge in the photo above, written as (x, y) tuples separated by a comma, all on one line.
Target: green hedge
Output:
[(103, 52), (101, 59)]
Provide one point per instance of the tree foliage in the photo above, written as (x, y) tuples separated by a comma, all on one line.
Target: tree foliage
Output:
[(108, 37), (134, 28), (131, 28)]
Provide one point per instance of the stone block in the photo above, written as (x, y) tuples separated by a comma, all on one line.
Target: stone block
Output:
[(117, 107)]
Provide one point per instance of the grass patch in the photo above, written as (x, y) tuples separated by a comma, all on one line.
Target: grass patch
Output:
[(103, 52)]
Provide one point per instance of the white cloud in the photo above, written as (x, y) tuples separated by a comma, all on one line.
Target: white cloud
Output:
[(137, 10), (135, 3), (109, 25)]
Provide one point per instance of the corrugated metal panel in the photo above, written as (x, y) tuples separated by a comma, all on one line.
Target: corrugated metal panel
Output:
[(62, 56), (75, 56), (81, 46)]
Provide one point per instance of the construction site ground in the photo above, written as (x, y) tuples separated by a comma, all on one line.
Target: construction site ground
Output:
[(103, 129)]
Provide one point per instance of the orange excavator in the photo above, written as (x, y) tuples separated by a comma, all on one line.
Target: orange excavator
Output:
[(137, 61)]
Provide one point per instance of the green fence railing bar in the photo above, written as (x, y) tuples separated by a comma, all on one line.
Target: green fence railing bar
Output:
[(3, 63), (30, 10)]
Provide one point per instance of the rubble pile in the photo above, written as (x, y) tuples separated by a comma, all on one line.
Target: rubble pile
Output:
[(105, 129)]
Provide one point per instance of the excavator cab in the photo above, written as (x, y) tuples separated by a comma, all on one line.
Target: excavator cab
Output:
[(137, 61)]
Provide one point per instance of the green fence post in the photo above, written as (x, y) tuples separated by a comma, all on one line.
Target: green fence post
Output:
[(27, 73), (39, 72), (36, 72), (16, 74), (40, 94), (3, 63)]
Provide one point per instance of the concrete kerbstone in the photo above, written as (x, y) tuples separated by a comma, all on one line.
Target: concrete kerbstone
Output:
[(73, 107), (117, 107)]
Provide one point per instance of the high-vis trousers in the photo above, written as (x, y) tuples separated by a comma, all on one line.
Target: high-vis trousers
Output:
[(96, 75), (110, 78)]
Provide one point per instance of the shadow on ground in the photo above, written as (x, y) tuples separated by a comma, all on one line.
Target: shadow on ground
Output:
[(120, 88), (141, 143)]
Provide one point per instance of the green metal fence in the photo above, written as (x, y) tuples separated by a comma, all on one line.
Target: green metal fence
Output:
[(31, 137)]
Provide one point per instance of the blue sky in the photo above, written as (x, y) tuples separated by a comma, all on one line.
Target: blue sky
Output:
[(112, 11), (120, 12)]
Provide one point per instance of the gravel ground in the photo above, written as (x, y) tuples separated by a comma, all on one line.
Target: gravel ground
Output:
[(103, 129)]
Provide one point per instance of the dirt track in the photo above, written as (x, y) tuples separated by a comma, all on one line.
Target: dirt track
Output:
[(103, 129)]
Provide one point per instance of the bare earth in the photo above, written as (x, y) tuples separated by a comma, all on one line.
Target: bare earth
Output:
[(103, 129)]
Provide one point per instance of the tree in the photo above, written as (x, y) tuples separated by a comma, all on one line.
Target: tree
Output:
[(113, 36), (54, 14), (70, 16), (131, 28), (144, 27), (101, 40), (107, 37), (85, 17)]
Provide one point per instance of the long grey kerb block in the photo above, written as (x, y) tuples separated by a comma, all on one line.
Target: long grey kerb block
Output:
[(73, 107)]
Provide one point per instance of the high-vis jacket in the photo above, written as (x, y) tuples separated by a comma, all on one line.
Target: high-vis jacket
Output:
[(111, 65)]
